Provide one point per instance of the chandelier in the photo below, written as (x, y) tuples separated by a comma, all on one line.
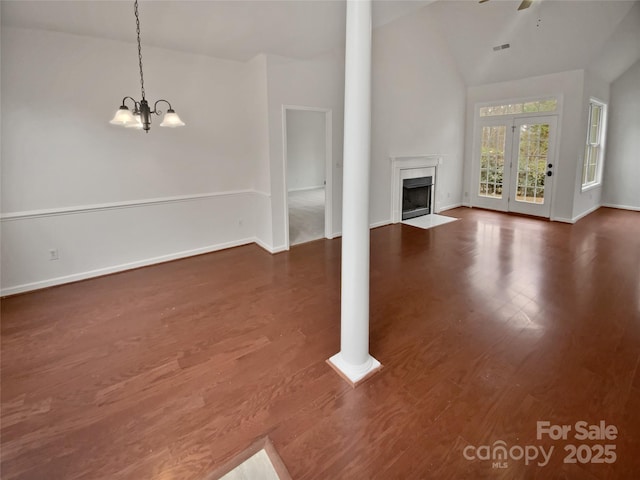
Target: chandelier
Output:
[(140, 118)]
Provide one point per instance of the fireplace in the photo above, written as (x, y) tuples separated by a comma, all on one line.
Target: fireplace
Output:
[(419, 195), (416, 197)]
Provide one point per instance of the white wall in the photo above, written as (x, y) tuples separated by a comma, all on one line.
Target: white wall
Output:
[(622, 160), (418, 108), (319, 83), (257, 108), (109, 198), (306, 144), (570, 86)]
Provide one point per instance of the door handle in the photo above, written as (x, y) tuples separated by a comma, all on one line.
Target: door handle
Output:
[(550, 165), (549, 174)]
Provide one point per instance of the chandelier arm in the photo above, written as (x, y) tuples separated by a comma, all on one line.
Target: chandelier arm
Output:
[(135, 7), (141, 108), (136, 104), (155, 106)]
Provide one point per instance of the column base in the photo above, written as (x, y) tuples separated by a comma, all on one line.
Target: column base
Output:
[(354, 374)]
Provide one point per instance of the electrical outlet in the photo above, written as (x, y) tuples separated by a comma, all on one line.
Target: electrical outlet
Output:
[(53, 254)]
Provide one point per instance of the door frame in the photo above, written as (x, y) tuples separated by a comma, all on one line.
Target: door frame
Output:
[(500, 205), (328, 153), (526, 208), (479, 122)]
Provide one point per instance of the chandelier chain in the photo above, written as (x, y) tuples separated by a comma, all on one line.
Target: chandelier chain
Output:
[(139, 47), (140, 117)]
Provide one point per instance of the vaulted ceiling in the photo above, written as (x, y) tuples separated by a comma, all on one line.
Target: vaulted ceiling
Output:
[(550, 36), (235, 30)]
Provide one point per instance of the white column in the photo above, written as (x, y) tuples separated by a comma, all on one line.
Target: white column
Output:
[(353, 360)]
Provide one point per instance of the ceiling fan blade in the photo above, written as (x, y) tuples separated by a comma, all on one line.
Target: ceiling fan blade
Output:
[(482, 1), (525, 4)]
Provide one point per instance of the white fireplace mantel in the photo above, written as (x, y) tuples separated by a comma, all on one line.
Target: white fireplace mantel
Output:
[(411, 166)]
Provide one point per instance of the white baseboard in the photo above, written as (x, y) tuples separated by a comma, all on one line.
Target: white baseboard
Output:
[(562, 220), (51, 282), (380, 224), (304, 189), (622, 207), (576, 218), (450, 207), (269, 248), (584, 214)]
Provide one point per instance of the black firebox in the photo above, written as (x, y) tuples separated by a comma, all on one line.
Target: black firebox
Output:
[(416, 197)]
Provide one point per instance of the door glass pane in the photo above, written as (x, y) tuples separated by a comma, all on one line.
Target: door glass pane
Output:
[(492, 161), (532, 163)]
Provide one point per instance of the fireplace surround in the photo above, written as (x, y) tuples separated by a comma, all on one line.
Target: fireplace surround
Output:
[(412, 167)]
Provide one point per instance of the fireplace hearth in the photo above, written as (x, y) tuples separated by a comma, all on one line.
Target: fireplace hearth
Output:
[(416, 197)]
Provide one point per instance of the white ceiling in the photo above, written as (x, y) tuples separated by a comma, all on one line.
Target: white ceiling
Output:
[(551, 36), (235, 30)]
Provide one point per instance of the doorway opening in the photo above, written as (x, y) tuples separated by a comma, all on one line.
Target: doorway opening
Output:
[(308, 173), (514, 157)]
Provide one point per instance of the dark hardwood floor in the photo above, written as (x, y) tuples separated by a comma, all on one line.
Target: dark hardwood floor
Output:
[(484, 326)]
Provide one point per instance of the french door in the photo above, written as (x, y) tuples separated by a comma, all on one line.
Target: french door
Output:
[(515, 164)]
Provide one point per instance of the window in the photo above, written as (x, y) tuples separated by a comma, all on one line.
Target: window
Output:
[(492, 161), (546, 105), (593, 153)]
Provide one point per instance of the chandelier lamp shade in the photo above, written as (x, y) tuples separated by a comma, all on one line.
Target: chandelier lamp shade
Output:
[(140, 117)]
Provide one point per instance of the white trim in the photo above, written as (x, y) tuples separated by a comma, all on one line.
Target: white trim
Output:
[(559, 97), (122, 267), (591, 186), (328, 176), (474, 199), (380, 224), (54, 212), (354, 373), (51, 282), (268, 247), (450, 207), (584, 214), (602, 140), (576, 218), (305, 189), (409, 162), (622, 207), (562, 220)]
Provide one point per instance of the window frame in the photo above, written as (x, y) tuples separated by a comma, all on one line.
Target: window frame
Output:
[(508, 104), (590, 145)]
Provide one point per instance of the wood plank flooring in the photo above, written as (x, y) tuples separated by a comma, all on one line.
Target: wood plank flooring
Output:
[(484, 327)]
